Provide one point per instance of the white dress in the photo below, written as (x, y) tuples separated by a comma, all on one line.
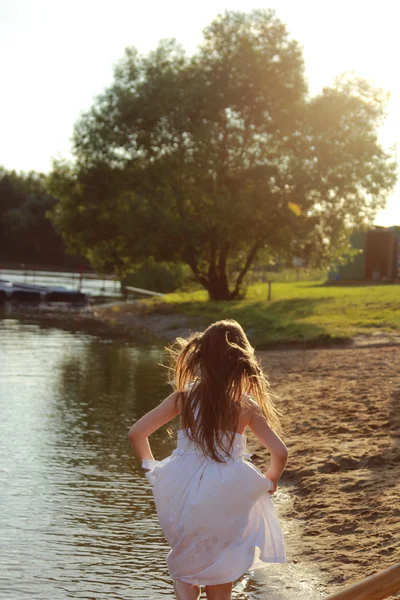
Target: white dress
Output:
[(218, 518)]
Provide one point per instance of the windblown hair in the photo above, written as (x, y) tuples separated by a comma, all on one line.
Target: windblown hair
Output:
[(216, 373)]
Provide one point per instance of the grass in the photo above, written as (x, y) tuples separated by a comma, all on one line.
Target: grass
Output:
[(298, 312)]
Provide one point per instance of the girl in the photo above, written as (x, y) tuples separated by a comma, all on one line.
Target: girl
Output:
[(213, 505)]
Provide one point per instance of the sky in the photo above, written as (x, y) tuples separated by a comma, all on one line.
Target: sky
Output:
[(57, 56)]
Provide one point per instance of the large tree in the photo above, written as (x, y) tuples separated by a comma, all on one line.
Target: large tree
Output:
[(209, 159)]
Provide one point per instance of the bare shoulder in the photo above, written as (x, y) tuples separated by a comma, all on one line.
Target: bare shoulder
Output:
[(250, 408)]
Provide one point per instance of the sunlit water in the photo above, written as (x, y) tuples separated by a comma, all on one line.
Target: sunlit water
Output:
[(77, 518)]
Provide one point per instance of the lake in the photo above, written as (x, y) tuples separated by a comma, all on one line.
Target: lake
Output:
[(77, 518)]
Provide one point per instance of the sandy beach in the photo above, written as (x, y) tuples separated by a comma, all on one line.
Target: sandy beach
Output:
[(341, 419)]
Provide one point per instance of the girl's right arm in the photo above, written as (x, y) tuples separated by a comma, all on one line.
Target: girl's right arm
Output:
[(153, 420), (268, 438)]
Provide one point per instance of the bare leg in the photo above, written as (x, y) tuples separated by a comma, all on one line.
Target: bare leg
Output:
[(186, 591), (219, 592)]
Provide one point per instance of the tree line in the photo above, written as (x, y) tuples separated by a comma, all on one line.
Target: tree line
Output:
[(27, 236)]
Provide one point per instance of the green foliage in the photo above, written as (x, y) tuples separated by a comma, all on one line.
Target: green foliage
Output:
[(26, 235), (199, 160), (160, 277), (92, 216)]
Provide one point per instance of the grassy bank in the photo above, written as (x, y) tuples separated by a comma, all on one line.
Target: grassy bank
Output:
[(297, 312)]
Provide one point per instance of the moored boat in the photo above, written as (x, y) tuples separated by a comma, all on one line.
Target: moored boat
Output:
[(39, 295)]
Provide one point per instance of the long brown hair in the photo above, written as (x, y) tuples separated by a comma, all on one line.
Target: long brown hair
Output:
[(215, 373)]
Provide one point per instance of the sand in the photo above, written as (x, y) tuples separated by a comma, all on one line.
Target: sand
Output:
[(341, 419)]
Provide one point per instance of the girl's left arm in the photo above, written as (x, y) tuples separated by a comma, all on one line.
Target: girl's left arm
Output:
[(139, 433)]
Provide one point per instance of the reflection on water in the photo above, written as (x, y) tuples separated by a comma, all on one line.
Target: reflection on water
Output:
[(76, 514)]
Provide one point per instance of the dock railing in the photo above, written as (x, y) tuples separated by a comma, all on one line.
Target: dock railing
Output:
[(376, 587), (91, 282)]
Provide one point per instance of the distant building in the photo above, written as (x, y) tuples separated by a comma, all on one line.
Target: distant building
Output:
[(378, 259)]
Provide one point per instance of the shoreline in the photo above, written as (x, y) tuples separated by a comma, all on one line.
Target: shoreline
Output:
[(160, 327)]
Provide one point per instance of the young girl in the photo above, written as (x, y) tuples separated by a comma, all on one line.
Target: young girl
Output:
[(213, 505)]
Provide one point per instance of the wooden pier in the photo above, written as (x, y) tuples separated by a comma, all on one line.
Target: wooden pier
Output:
[(376, 587)]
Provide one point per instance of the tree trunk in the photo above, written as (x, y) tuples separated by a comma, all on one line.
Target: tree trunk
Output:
[(217, 290), (215, 281), (215, 284)]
